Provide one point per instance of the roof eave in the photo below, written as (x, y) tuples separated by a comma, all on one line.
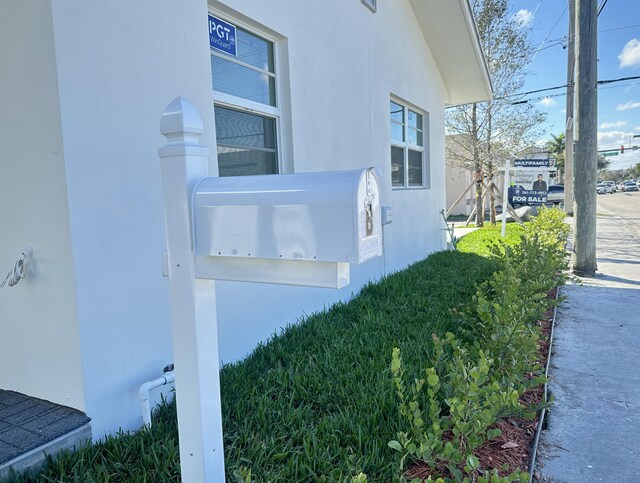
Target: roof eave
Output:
[(459, 58)]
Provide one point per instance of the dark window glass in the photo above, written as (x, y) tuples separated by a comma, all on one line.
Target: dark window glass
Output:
[(246, 143), (415, 168), (397, 166)]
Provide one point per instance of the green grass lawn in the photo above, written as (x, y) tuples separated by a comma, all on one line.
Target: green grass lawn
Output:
[(480, 240), (317, 402)]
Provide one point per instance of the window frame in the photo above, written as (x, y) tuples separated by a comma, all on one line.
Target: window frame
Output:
[(241, 104), (407, 146)]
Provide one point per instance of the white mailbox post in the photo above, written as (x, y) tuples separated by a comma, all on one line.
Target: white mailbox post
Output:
[(297, 229)]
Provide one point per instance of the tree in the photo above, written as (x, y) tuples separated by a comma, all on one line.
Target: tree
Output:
[(555, 148), (483, 134), (603, 163)]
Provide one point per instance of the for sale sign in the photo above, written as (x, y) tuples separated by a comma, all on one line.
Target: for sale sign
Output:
[(528, 197)]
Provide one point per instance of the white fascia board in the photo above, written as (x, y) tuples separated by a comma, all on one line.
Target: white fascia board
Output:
[(450, 32)]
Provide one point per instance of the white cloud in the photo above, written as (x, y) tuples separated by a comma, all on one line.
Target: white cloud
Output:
[(548, 102), (628, 105), (613, 139), (630, 55), (609, 125), (523, 17)]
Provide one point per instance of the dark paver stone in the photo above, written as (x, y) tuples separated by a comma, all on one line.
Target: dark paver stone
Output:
[(8, 411), (8, 451), (9, 398), (26, 423), (22, 439), (4, 426), (31, 413)]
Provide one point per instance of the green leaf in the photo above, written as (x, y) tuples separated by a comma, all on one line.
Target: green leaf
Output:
[(472, 462), (395, 445), (433, 379)]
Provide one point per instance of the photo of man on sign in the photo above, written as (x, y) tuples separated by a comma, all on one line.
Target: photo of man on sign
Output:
[(539, 184)]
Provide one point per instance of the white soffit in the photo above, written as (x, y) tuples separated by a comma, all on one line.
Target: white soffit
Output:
[(450, 32)]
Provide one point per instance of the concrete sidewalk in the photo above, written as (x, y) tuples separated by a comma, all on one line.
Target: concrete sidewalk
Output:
[(593, 429)]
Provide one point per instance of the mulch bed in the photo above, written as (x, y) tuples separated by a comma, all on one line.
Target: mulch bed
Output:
[(512, 448)]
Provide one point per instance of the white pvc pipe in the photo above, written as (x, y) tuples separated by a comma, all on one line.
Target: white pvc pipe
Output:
[(167, 378)]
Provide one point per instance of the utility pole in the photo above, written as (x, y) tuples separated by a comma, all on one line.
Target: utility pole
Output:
[(568, 138), (585, 163)]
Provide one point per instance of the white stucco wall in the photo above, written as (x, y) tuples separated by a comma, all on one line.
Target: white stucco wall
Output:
[(117, 68), (119, 65), (343, 69), (39, 342), (457, 181)]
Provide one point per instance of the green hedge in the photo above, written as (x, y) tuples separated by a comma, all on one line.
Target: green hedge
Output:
[(476, 376)]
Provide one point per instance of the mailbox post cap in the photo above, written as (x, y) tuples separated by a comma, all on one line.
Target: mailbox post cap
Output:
[(180, 117)]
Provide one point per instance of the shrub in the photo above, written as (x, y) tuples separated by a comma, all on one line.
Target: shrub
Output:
[(475, 379)]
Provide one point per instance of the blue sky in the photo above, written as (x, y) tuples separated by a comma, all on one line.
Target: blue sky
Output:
[(618, 56)]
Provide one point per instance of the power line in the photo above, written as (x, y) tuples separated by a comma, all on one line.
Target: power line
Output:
[(548, 35), (602, 4), (620, 85), (619, 28), (600, 82), (621, 79), (562, 94)]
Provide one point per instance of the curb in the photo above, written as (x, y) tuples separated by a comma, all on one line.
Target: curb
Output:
[(543, 412)]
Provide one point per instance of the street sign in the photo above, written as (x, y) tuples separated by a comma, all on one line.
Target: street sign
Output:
[(636, 136), (612, 153)]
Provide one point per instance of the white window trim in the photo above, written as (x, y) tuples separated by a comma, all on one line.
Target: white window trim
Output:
[(240, 104), (406, 145)]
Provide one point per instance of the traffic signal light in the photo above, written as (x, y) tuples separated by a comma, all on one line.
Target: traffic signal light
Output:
[(621, 149)]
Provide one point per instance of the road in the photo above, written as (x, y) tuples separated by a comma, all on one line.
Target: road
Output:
[(624, 210), (622, 203)]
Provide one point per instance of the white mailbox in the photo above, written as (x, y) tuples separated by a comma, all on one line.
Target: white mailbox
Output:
[(303, 228)]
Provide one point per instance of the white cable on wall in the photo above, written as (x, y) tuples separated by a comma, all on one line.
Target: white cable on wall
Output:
[(18, 272)]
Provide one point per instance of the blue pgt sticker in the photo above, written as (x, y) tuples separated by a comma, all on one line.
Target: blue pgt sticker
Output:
[(222, 36)]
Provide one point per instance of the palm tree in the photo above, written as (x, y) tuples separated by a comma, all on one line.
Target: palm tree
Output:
[(555, 148)]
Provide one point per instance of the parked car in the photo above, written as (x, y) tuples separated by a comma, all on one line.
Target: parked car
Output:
[(603, 189), (615, 188), (620, 185), (630, 186), (555, 194)]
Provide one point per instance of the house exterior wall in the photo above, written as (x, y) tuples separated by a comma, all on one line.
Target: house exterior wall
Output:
[(342, 71), (119, 66), (39, 343), (457, 181)]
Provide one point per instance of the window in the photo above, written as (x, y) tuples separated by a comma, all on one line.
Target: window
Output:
[(245, 106), (409, 168)]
